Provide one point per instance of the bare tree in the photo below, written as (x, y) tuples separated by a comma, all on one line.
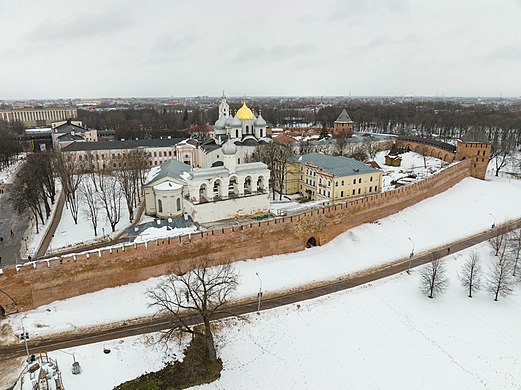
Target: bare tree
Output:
[(68, 168), (424, 152), (372, 148), (89, 195), (131, 177), (433, 280), (202, 292), (470, 275), (268, 154), (110, 195), (499, 241), (283, 154), (500, 281), (515, 240), (28, 195), (503, 144), (341, 138)]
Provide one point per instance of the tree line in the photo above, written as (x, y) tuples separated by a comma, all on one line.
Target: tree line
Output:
[(498, 281), (83, 181), (9, 145)]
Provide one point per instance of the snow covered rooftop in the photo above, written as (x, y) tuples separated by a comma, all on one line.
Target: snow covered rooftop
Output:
[(171, 168)]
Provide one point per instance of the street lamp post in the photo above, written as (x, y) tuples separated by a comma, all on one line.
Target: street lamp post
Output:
[(494, 219), (410, 256), (259, 294), (24, 336)]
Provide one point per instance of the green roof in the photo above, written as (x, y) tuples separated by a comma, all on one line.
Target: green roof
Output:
[(337, 166), (171, 168)]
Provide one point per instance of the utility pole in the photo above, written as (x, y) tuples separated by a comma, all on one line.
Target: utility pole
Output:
[(411, 255), (25, 336), (259, 294)]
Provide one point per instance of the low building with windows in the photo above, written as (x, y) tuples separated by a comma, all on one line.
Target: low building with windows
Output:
[(317, 176), (66, 132), (108, 154), (208, 194)]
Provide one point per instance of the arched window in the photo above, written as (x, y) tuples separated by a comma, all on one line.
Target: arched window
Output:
[(178, 204), (159, 206)]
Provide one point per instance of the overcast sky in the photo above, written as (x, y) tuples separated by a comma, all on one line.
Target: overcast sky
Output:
[(101, 48)]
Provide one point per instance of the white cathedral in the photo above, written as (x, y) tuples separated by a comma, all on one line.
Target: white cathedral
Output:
[(246, 130)]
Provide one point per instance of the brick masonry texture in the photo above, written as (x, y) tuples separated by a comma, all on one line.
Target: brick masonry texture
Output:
[(43, 282)]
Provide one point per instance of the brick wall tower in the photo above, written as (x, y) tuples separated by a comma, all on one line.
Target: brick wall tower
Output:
[(475, 145), (343, 124)]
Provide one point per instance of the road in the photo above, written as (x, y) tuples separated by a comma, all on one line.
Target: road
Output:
[(154, 324), (54, 224), (11, 220)]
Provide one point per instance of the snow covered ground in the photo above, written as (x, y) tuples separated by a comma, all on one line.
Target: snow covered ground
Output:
[(386, 334), (163, 232), (291, 205), (469, 207), (69, 234), (411, 163), (7, 174)]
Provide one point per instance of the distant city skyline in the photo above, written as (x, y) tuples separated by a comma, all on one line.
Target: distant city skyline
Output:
[(97, 49)]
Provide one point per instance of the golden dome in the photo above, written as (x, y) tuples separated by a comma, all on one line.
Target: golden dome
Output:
[(244, 113)]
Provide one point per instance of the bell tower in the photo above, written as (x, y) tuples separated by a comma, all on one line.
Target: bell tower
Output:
[(224, 108)]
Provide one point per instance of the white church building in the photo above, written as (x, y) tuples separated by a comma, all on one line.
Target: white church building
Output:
[(209, 194), (246, 130)]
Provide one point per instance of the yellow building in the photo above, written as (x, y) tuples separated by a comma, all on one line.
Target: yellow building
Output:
[(317, 176)]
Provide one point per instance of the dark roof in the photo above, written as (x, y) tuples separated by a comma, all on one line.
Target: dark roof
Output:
[(170, 168), (128, 144), (429, 141), (70, 137), (68, 127), (209, 145), (476, 135), (343, 117), (338, 166)]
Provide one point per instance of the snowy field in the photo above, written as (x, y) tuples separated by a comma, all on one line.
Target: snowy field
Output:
[(69, 234), (386, 334), (411, 163), (469, 207)]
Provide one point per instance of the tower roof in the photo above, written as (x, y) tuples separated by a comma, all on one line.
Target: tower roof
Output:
[(343, 117), (475, 135)]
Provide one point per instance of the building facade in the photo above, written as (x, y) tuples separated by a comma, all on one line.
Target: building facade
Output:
[(108, 154), (208, 194), (317, 176), (38, 116), (246, 129)]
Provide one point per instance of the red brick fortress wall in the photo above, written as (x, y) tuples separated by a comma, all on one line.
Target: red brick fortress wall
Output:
[(42, 282)]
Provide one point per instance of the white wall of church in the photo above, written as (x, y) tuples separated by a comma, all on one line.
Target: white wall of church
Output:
[(226, 209)]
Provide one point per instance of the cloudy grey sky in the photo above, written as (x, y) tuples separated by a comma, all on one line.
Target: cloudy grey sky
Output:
[(100, 48)]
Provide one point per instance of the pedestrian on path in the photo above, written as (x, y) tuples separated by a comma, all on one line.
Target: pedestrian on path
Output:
[(448, 250), (12, 234)]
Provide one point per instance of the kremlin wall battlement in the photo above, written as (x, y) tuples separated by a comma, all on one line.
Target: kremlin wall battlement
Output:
[(41, 282)]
